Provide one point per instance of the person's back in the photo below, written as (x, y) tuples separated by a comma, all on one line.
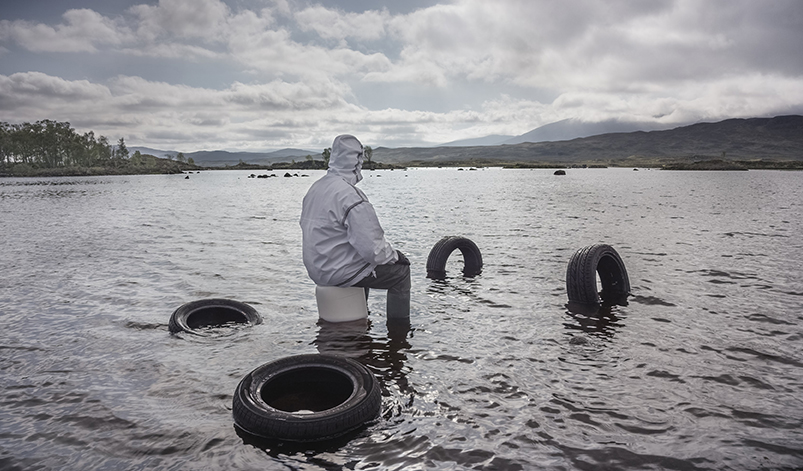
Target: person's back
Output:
[(343, 242)]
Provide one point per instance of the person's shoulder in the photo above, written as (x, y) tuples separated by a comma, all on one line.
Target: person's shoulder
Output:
[(337, 187), (327, 181)]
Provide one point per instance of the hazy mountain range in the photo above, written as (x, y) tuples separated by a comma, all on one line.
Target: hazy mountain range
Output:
[(573, 141), (779, 138), (564, 130)]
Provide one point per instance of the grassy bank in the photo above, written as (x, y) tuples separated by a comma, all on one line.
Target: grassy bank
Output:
[(717, 164), (146, 166), (165, 166)]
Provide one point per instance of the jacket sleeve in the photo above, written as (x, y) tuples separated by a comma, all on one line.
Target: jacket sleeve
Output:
[(367, 237)]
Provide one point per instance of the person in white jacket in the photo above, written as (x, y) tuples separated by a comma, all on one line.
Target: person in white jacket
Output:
[(343, 243)]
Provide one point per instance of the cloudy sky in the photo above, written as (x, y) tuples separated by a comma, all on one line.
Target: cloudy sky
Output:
[(257, 75)]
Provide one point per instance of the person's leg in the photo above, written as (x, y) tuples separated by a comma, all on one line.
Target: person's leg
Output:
[(398, 303), (396, 279)]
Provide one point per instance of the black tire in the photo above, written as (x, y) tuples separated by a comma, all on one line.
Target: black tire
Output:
[(211, 312), (581, 279), (337, 395), (436, 262)]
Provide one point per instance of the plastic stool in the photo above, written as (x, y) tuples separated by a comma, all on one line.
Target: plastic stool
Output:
[(336, 304)]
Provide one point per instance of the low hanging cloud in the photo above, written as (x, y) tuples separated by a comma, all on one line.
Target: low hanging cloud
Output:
[(293, 73), (82, 31), (182, 18), (150, 106), (30, 90), (332, 24), (598, 45)]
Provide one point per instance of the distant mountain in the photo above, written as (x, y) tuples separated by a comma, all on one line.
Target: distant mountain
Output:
[(220, 158), (564, 130), (151, 151), (492, 140), (779, 138), (569, 129)]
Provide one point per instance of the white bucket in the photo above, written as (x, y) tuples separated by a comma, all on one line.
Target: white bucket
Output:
[(336, 304)]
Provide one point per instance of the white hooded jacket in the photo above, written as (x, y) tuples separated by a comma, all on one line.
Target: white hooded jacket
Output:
[(342, 239)]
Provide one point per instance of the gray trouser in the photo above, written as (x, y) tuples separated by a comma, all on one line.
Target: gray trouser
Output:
[(396, 279)]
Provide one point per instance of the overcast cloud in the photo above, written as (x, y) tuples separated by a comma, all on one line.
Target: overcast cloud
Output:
[(255, 75)]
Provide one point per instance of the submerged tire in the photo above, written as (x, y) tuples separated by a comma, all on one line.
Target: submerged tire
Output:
[(581, 279), (436, 262), (306, 398), (210, 313)]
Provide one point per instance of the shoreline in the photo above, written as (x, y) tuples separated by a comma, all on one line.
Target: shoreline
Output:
[(183, 168)]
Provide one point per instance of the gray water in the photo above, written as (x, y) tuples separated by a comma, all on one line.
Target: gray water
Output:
[(702, 370)]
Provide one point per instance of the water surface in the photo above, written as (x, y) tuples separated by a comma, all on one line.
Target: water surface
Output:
[(702, 370)]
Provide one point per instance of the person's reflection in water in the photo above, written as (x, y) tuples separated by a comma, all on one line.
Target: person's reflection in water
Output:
[(384, 356), (394, 357), (348, 339), (595, 321)]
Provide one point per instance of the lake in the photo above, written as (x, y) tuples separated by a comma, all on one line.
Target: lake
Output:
[(702, 370)]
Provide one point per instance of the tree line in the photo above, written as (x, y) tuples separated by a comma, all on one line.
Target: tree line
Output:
[(51, 148), (52, 144)]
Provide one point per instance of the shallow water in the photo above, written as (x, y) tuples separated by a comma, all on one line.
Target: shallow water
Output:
[(702, 370)]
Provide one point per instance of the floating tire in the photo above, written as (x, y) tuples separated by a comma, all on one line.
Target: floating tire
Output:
[(436, 262), (306, 398), (581, 276), (210, 313)]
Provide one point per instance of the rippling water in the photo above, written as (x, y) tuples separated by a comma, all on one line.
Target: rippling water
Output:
[(703, 370)]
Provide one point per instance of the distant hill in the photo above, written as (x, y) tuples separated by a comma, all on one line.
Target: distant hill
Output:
[(221, 158), (779, 138), (151, 151), (492, 140), (564, 130), (569, 129)]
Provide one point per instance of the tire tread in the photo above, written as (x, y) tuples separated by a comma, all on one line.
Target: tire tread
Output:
[(581, 276)]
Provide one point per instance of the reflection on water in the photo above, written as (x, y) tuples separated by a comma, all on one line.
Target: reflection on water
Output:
[(597, 321), (349, 339), (441, 289), (702, 370), (385, 356)]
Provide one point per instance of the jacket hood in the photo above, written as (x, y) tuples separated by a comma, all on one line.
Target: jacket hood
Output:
[(346, 158)]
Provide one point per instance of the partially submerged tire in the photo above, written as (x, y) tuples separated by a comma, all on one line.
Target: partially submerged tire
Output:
[(581, 276), (306, 398), (436, 262), (210, 313)]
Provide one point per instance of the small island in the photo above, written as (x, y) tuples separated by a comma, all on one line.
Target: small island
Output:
[(715, 164), (719, 164)]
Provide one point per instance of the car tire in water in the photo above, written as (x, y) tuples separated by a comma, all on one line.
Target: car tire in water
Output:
[(436, 262), (581, 276), (306, 398), (195, 315)]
